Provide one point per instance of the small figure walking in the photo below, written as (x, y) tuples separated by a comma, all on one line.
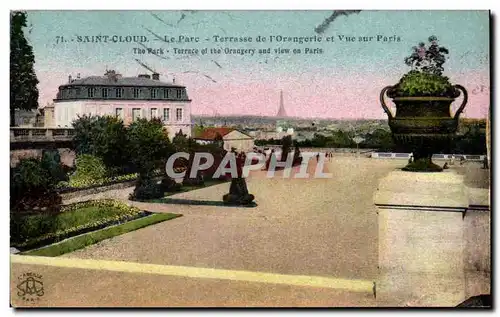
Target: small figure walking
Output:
[(410, 159), (485, 163), (317, 157)]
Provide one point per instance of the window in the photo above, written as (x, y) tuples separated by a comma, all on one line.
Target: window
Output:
[(119, 112), (166, 114), (165, 93), (178, 114), (105, 92), (119, 92), (179, 93), (154, 93), (154, 113), (91, 92), (136, 114), (78, 91), (136, 92)]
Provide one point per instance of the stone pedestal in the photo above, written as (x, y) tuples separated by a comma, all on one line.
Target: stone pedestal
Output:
[(421, 239)]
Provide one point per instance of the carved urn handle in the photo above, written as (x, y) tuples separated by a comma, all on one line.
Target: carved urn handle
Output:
[(464, 102), (382, 101)]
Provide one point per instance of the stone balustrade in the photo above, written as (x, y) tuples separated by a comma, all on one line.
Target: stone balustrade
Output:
[(40, 134)]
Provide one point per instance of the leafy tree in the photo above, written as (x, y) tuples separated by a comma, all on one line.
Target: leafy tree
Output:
[(104, 137), (23, 80), (197, 129), (380, 139), (149, 148), (84, 128), (180, 142), (148, 145)]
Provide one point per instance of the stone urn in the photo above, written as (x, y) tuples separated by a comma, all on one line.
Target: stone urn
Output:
[(423, 125)]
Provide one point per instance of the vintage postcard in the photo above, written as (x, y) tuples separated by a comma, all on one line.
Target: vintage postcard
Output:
[(190, 158)]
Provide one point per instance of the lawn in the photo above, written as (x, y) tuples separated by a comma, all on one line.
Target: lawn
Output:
[(35, 230), (90, 238)]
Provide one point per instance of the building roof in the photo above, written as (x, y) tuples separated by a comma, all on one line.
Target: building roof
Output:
[(211, 133), (119, 81)]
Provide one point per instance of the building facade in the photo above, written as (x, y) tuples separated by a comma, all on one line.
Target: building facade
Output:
[(128, 98)]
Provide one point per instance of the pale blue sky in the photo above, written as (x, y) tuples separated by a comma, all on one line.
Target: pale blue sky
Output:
[(464, 33), (461, 31)]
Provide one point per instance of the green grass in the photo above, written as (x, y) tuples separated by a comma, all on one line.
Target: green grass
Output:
[(33, 226), (90, 238)]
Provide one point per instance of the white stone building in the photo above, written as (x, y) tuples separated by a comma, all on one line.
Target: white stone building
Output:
[(129, 98)]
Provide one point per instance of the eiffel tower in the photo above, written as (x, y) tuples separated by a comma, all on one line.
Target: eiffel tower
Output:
[(281, 111)]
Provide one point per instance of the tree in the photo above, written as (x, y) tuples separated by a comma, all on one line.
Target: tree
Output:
[(51, 161), (198, 129), (148, 145), (23, 80), (180, 142), (104, 137), (149, 148)]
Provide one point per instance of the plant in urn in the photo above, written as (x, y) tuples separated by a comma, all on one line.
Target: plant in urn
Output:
[(423, 123)]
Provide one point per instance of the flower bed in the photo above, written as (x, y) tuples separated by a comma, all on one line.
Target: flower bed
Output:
[(64, 187), (117, 213)]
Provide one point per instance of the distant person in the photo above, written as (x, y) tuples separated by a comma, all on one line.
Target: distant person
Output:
[(317, 157), (410, 159), (485, 163), (462, 160), (452, 161)]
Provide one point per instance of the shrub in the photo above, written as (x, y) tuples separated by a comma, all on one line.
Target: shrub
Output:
[(146, 188), (169, 185), (51, 161), (90, 170), (32, 185)]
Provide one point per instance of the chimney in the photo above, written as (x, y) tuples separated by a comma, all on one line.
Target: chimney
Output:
[(69, 79), (173, 80), (156, 76), (78, 76)]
